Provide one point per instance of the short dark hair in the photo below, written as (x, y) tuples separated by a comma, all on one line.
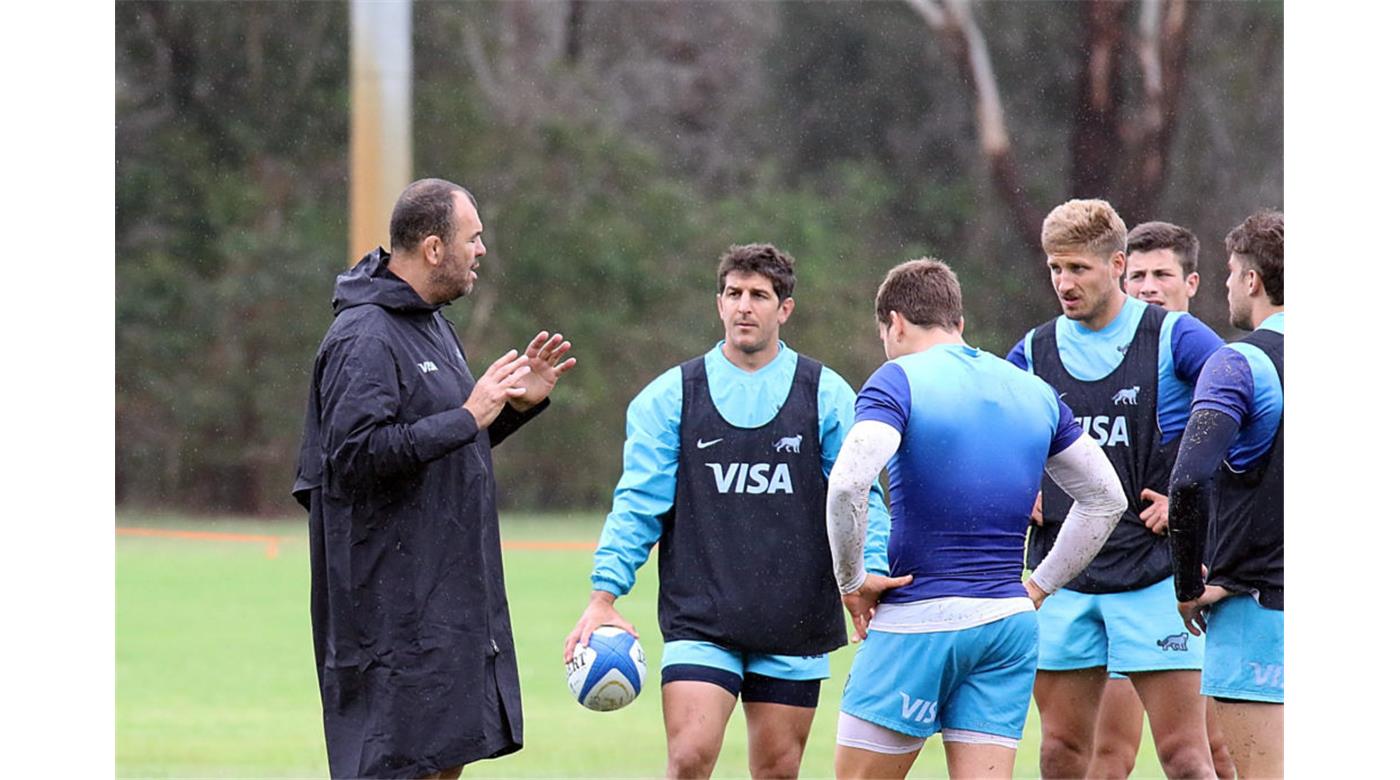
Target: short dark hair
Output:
[(924, 291), (1259, 241), (423, 209), (1151, 236), (764, 259)]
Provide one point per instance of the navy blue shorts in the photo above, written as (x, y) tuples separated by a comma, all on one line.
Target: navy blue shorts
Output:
[(755, 677)]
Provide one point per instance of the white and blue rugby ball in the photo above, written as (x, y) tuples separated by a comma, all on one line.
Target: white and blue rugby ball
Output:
[(609, 672)]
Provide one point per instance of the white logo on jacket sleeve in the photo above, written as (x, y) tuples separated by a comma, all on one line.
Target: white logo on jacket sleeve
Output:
[(427, 366), (789, 444), (751, 478)]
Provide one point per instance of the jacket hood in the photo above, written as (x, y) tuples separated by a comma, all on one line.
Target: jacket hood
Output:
[(371, 282)]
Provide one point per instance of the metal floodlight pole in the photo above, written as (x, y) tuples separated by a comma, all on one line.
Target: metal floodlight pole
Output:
[(381, 117)]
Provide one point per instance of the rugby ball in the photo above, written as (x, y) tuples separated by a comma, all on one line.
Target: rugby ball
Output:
[(609, 672)]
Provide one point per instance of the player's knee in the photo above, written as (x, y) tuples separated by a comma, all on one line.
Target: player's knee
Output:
[(1063, 756), (688, 759), (782, 763), (1184, 756), (1112, 759)]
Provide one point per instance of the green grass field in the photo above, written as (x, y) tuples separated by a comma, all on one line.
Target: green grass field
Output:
[(215, 676)]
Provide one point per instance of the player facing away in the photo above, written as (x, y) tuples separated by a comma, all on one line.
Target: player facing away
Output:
[(1161, 269), (1127, 369), (725, 468), (1235, 437), (952, 645)]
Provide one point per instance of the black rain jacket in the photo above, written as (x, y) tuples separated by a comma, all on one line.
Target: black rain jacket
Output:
[(409, 620)]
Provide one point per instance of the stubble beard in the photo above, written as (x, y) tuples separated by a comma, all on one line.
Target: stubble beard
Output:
[(751, 346), (447, 285), (1241, 318)]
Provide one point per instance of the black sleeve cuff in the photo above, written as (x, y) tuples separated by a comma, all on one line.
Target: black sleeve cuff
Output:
[(510, 420)]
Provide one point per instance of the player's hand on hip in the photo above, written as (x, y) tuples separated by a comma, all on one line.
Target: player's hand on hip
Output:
[(1155, 515), (599, 612), (545, 356), (1034, 592), (861, 602), (1037, 516), (501, 382), (1193, 611)]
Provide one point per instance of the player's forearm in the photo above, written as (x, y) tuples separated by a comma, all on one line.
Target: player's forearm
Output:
[(845, 530), (864, 452), (1086, 475), (623, 547), (877, 533), (645, 492), (1204, 445)]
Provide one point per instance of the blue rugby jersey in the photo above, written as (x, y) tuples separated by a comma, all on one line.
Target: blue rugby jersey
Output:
[(1241, 381), (1185, 345), (976, 434), (647, 489)]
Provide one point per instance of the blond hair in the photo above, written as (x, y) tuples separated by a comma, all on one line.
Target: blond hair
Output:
[(1084, 226)]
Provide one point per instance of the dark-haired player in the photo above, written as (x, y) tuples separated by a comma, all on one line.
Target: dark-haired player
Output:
[(725, 466), (1235, 439)]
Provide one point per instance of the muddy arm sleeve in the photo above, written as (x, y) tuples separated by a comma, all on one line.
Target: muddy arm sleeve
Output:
[(1084, 472), (866, 450)]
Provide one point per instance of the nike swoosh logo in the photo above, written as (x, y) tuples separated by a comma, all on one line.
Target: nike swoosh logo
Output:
[(701, 444)]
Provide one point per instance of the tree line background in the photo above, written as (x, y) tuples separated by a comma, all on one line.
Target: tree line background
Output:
[(617, 148)]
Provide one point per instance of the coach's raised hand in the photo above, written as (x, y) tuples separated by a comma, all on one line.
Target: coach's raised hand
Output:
[(502, 382), (543, 355)]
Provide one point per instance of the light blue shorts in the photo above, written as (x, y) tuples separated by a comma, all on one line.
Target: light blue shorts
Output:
[(973, 679), (1134, 631), (783, 667), (1244, 651)]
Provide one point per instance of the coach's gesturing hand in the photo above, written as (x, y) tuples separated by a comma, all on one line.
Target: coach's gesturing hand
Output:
[(861, 602), (599, 612), (500, 383), (543, 356)]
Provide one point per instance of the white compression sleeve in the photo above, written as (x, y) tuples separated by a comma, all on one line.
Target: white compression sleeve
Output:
[(1082, 470), (868, 447)]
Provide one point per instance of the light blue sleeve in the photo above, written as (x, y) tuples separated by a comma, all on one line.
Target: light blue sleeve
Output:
[(647, 489), (836, 408)]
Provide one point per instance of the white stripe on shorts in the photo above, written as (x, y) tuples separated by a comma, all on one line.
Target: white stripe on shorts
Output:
[(862, 734), (979, 738)]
